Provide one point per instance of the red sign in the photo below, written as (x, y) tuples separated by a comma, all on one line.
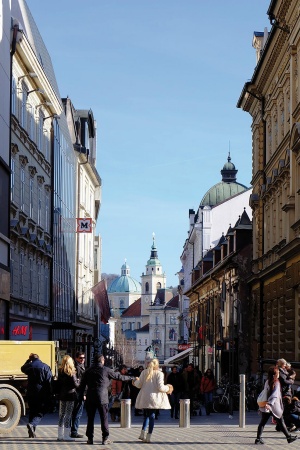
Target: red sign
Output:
[(20, 330), (183, 346), (84, 225)]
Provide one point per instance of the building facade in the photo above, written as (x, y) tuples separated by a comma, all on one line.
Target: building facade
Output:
[(34, 103), (83, 131), (272, 99), (7, 48)]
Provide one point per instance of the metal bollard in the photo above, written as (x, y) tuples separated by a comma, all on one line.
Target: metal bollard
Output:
[(184, 417), (125, 413), (242, 401)]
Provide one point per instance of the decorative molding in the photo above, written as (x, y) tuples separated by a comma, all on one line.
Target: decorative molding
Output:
[(14, 149), (23, 160), (41, 179), (32, 171)]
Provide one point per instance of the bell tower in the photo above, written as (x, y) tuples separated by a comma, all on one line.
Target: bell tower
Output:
[(153, 279)]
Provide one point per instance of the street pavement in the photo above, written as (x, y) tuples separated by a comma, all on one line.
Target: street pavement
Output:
[(216, 431)]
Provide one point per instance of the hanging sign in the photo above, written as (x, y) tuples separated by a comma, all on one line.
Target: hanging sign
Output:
[(84, 225)]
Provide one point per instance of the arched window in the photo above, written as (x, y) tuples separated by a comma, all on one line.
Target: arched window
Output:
[(147, 287), (121, 303), (158, 285)]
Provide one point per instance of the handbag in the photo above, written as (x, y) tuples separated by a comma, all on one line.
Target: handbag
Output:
[(262, 399)]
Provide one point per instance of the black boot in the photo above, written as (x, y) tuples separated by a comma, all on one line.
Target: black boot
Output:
[(259, 441), (291, 439)]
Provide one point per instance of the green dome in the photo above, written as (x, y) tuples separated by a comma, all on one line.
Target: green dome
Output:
[(125, 283), (226, 189)]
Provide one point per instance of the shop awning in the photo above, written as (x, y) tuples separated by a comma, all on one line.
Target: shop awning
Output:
[(179, 356)]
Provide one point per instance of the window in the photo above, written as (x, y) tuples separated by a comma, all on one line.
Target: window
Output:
[(12, 262), (146, 341), (14, 98), (39, 281), (30, 279), (156, 333), (39, 218), (156, 320), (47, 211), (121, 303), (12, 178), (147, 287), (172, 320), (22, 189), (40, 133), (23, 106), (140, 341), (21, 274), (158, 285), (31, 197)]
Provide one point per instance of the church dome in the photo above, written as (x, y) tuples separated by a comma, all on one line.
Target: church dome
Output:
[(226, 188), (125, 283)]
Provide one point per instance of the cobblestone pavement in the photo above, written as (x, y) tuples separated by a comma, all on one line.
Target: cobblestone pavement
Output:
[(216, 431)]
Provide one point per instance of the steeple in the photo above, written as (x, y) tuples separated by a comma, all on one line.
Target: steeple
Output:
[(153, 255), (229, 171)]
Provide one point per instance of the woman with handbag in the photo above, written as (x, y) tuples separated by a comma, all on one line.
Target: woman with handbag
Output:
[(152, 396), (273, 406), (67, 383)]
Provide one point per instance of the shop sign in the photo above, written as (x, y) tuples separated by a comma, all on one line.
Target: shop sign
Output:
[(20, 331), (183, 346)]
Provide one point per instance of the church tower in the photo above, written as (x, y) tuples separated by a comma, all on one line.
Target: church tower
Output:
[(153, 279)]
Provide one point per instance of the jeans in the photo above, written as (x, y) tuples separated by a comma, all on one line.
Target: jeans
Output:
[(149, 420), (208, 398), (76, 416), (65, 413)]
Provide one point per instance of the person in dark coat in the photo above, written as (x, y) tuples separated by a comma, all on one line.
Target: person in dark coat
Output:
[(286, 379), (78, 404), (67, 383), (175, 379), (97, 380), (38, 390)]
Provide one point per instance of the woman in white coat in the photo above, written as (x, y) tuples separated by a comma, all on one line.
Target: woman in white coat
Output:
[(152, 396), (274, 407)]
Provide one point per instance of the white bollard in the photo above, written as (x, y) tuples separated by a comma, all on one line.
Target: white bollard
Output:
[(242, 401), (125, 413), (184, 417)]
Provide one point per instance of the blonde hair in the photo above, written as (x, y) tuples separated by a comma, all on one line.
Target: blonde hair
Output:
[(67, 365), (152, 365), (281, 362)]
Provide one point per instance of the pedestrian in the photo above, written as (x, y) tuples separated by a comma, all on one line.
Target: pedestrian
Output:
[(274, 407), (67, 383), (191, 385), (78, 403), (119, 390), (97, 381), (175, 379), (207, 388), (286, 379), (152, 396), (38, 390)]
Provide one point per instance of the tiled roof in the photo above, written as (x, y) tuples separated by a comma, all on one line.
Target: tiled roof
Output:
[(133, 310)]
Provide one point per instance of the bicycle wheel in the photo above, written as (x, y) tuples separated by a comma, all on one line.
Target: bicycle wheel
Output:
[(221, 405)]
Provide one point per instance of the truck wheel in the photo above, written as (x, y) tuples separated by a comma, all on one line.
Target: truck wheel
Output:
[(10, 411)]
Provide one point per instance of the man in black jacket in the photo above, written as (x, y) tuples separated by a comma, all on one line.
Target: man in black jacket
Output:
[(97, 380), (38, 390), (79, 402)]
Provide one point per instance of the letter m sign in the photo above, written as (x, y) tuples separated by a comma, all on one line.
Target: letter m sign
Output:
[(84, 225)]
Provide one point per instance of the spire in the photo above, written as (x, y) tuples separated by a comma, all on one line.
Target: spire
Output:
[(229, 171), (153, 255)]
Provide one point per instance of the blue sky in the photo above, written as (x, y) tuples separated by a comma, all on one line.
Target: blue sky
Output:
[(163, 78)]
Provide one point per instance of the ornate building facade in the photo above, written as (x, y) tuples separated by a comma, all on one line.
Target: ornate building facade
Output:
[(272, 98)]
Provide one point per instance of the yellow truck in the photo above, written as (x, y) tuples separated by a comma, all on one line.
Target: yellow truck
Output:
[(13, 382)]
